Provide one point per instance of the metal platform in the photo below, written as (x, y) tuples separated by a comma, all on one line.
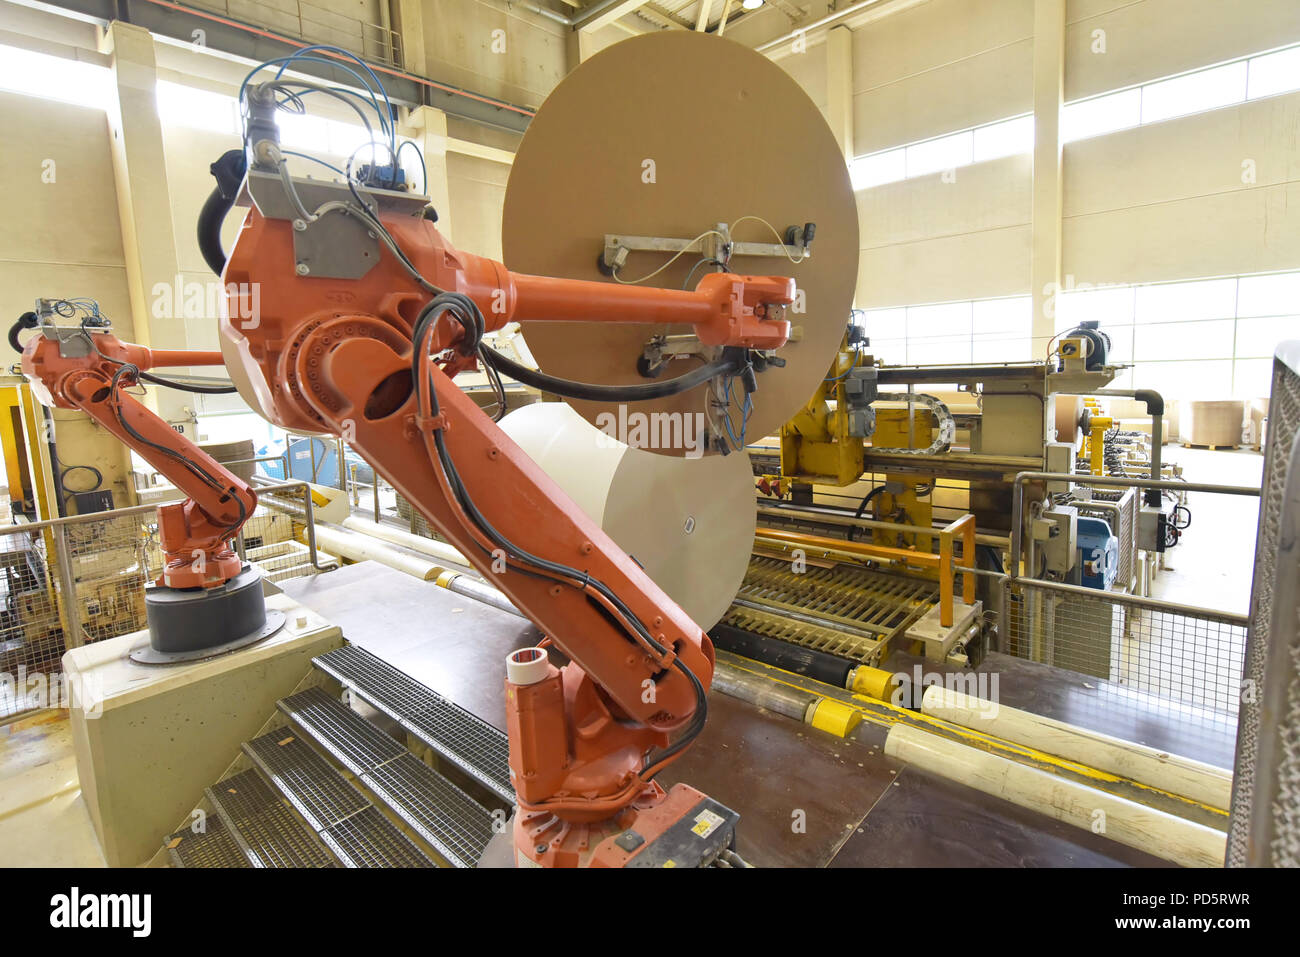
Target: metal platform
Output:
[(354, 829), (369, 839), (265, 830), (357, 744), (471, 744), (441, 813), (453, 823), (851, 613), (211, 847)]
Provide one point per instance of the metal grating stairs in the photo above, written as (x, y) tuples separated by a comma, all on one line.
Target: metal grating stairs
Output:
[(321, 786)]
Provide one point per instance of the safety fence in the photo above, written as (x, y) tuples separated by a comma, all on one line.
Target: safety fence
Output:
[(1183, 662), (72, 581)]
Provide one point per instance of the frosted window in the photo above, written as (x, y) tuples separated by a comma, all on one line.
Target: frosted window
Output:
[(1276, 295), (1252, 378), (939, 351), (1184, 340), (1211, 379), (1182, 301), (939, 321), (197, 109), (885, 323), (1001, 348), (1003, 315), (1274, 73), (1008, 138), (1109, 305), (878, 168), (944, 153), (1258, 337), (1101, 115), (1195, 92), (304, 133), (56, 78), (891, 351), (345, 138)]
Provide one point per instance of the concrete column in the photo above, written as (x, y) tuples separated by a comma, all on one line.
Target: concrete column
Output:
[(1049, 93), (428, 127), (408, 23), (578, 46), (145, 207), (839, 87)]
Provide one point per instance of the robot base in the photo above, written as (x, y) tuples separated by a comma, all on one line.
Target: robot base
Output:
[(190, 624), (680, 828)]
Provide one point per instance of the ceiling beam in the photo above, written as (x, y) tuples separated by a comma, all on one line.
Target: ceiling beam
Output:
[(610, 13)]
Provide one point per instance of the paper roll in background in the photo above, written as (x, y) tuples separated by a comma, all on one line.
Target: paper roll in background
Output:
[(689, 522)]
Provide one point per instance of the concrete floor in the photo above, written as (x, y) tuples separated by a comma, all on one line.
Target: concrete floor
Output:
[(44, 822), (1213, 565)]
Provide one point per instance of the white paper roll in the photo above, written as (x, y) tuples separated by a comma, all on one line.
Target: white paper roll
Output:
[(688, 521)]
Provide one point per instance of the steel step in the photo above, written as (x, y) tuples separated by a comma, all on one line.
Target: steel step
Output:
[(339, 813), (451, 821), (214, 847), (458, 736), (265, 830)]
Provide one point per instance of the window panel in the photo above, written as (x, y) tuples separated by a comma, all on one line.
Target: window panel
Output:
[(304, 132), (1258, 337), (1003, 315), (1182, 301), (939, 351), (1211, 339), (889, 351), (1274, 73), (1252, 378), (1002, 348), (885, 323), (944, 153), (1276, 295), (1008, 138), (56, 78), (1101, 115), (1194, 93), (878, 168), (941, 320), (1209, 379), (1121, 343), (1109, 305), (195, 108)]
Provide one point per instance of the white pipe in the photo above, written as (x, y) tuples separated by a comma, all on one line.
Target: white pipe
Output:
[(1132, 824), (416, 543), (360, 548), (1169, 772)]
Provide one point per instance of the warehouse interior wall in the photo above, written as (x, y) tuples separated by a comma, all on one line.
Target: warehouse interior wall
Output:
[(941, 253)]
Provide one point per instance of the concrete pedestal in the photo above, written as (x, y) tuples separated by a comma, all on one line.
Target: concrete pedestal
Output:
[(149, 738)]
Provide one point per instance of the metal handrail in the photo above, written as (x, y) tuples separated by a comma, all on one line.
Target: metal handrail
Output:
[(1105, 481)]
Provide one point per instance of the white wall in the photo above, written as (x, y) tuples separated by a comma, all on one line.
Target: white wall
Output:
[(1164, 201)]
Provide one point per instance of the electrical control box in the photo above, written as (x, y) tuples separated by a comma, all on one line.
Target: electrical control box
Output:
[(1157, 531), (1058, 457), (1056, 536)]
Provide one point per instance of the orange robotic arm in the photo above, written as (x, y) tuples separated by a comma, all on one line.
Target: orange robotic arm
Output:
[(88, 368), (361, 338)]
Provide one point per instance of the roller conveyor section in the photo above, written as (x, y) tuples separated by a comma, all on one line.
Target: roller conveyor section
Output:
[(265, 830), (353, 828), (850, 613), (211, 847), (458, 736), (451, 821)]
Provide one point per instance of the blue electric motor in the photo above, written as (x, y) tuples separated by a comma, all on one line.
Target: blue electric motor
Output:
[(1098, 554)]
